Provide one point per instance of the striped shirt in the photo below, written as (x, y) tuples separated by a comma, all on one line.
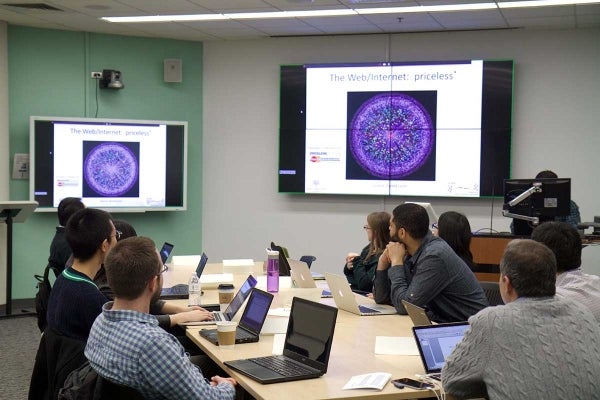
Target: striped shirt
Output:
[(583, 288), (129, 348)]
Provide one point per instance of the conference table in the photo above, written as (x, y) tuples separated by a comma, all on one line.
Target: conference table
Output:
[(352, 353)]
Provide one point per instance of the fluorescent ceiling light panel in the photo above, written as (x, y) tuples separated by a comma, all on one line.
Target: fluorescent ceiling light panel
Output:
[(425, 9), (544, 3), (349, 11)]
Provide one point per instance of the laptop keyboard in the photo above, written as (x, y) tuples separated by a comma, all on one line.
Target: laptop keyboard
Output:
[(179, 289), (281, 365), (217, 317), (365, 309)]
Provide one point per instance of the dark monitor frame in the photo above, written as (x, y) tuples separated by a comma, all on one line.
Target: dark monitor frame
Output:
[(553, 200)]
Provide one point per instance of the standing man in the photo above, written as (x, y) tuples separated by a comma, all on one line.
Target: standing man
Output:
[(537, 346), (60, 251), (127, 346), (565, 242), (422, 269)]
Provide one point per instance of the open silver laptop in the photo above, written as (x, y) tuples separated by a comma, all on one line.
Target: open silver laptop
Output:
[(435, 343), (233, 307), (417, 314), (345, 298)]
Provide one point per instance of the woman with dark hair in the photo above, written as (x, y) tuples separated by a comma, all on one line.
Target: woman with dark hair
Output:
[(455, 229), (360, 269)]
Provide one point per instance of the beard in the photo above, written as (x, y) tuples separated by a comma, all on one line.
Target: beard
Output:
[(395, 238), (156, 294)]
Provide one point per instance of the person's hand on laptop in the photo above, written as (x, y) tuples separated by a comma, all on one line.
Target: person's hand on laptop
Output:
[(196, 315), (215, 380)]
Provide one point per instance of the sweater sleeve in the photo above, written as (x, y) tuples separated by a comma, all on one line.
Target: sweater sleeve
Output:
[(463, 371)]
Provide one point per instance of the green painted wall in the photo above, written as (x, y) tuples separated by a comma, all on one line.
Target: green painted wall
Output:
[(49, 75)]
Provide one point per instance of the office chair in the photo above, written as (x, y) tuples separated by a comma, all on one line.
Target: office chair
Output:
[(492, 292), (308, 260)]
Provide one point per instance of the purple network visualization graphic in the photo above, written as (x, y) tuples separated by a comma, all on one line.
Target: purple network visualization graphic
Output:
[(391, 135), (111, 169)]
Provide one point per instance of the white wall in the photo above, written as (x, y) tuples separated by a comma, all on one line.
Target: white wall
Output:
[(555, 120)]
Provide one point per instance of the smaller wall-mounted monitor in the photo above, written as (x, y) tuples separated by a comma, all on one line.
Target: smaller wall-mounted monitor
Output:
[(113, 164)]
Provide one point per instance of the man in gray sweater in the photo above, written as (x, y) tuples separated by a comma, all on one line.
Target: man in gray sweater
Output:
[(424, 270), (537, 346)]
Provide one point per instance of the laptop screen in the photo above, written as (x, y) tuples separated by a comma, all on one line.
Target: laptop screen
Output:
[(201, 265), (165, 251), (256, 310), (239, 297), (310, 333), (436, 342)]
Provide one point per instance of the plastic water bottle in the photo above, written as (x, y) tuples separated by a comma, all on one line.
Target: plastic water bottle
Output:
[(194, 289), (272, 271)]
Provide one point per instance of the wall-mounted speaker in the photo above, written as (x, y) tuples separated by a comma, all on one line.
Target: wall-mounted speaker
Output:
[(172, 70)]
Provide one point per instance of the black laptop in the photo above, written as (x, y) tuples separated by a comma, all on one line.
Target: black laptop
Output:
[(181, 291), (253, 318), (306, 350)]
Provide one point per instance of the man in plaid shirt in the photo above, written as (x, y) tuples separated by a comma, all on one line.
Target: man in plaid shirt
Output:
[(127, 346)]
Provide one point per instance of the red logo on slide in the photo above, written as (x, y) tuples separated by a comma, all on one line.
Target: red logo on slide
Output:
[(315, 159)]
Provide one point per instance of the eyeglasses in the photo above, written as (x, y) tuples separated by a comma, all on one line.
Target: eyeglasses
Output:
[(163, 269), (434, 225), (367, 227)]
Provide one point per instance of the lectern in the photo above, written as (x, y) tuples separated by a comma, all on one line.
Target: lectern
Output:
[(13, 211)]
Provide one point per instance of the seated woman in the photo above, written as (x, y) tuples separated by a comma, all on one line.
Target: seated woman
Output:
[(360, 269), (455, 229)]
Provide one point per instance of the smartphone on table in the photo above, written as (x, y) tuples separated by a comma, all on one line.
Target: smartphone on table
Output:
[(411, 383)]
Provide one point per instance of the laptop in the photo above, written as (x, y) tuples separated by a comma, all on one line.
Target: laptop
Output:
[(165, 252), (284, 266), (181, 291), (253, 318), (303, 278), (417, 314), (306, 349), (346, 300), (233, 307), (436, 342)]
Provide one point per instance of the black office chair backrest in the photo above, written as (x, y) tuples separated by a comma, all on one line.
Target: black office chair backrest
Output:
[(492, 292), (308, 260)]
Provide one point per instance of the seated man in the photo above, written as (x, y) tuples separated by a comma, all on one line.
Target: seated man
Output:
[(422, 269), (565, 242), (75, 300), (60, 251), (537, 346), (127, 346)]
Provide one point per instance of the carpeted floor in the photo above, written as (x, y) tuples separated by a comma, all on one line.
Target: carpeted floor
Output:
[(19, 340)]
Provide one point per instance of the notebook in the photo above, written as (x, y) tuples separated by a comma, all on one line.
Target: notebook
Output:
[(417, 314), (165, 251), (306, 348), (436, 342), (234, 306), (346, 300), (181, 291), (253, 318)]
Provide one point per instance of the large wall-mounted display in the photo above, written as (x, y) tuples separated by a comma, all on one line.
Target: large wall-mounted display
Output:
[(416, 129), (113, 164)]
